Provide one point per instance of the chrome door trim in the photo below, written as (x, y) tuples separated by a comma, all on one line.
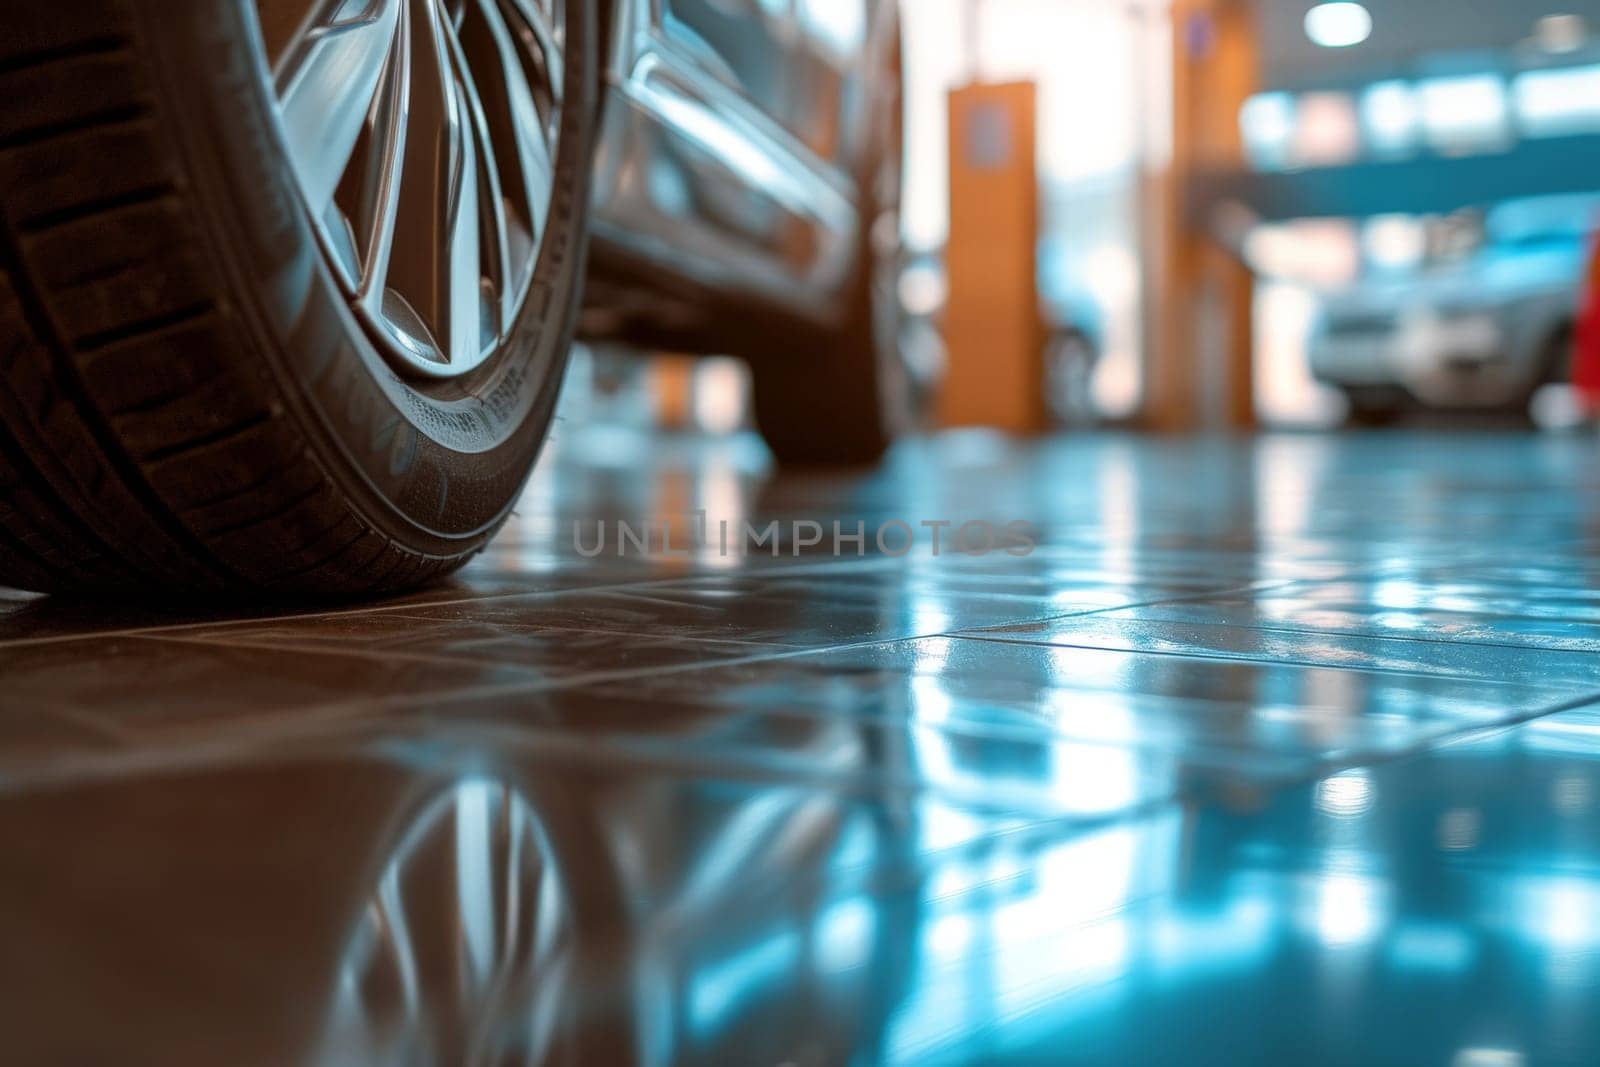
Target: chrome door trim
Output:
[(661, 108)]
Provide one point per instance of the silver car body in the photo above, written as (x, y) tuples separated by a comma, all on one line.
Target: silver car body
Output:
[(734, 132)]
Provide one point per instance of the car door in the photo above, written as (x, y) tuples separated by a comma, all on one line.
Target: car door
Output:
[(798, 61), (829, 73), (747, 43)]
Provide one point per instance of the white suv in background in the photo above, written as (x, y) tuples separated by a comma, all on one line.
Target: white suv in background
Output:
[(1484, 328)]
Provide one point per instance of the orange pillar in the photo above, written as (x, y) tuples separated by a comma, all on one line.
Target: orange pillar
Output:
[(993, 331), (672, 389), (1199, 301)]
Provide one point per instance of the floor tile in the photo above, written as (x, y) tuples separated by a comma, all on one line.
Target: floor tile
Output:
[(1271, 750)]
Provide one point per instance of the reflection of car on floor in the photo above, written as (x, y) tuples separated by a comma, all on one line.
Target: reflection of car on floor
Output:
[(288, 286), (569, 911), (1486, 329)]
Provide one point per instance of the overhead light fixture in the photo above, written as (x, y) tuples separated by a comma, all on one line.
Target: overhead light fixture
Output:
[(1338, 25), (1560, 34)]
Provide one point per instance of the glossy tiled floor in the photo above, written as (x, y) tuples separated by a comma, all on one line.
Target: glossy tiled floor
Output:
[(1273, 753)]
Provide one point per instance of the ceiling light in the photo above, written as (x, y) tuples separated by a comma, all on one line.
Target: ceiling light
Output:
[(1338, 25), (1559, 34)]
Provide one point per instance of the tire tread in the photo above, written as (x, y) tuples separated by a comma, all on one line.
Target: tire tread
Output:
[(132, 453)]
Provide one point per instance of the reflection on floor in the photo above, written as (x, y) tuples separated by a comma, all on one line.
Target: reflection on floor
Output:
[(1267, 753)]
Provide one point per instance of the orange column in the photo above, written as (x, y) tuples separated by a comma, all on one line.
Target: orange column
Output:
[(1199, 302), (672, 388), (993, 330)]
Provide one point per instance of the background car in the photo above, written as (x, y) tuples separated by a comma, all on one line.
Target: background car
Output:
[(288, 287), (1074, 335), (1484, 326), (1072, 321)]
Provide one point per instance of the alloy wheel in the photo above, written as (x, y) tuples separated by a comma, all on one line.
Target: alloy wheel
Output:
[(423, 135)]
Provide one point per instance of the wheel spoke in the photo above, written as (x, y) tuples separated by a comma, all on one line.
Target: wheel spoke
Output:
[(430, 244), (544, 25), (325, 88), (378, 209), (514, 124), (459, 278), (494, 264)]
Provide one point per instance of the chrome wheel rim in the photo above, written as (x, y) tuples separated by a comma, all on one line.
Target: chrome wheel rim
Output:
[(422, 134)]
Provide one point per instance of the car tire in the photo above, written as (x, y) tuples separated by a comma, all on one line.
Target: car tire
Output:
[(190, 400), (1557, 357), (841, 396), (1374, 406)]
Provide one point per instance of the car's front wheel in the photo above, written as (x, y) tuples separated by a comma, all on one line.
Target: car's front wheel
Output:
[(286, 289)]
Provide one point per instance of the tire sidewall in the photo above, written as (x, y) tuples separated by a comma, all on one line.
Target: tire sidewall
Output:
[(433, 465)]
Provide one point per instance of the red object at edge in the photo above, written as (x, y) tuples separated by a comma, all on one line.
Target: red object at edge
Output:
[(1586, 343)]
